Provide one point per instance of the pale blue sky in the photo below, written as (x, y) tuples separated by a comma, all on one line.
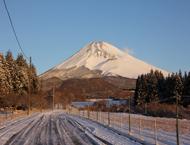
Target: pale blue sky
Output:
[(157, 31)]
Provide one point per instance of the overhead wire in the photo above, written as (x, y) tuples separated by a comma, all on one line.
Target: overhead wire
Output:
[(14, 31)]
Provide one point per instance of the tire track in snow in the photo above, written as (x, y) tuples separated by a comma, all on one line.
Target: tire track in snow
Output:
[(11, 128), (77, 136), (55, 128), (90, 135), (20, 137)]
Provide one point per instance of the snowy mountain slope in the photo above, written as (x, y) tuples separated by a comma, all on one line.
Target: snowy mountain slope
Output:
[(101, 56)]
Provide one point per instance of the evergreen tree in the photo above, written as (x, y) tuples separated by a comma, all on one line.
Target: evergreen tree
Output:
[(10, 74), (22, 72), (13, 70), (137, 91), (185, 76), (3, 79), (34, 80), (155, 87), (152, 87), (15, 76), (186, 91), (160, 84), (180, 75), (176, 87), (140, 91)]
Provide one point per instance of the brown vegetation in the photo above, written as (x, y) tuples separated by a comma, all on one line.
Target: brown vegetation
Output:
[(163, 110)]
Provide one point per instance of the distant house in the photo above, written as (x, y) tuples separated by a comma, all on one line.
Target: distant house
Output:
[(110, 101), (82, 104)]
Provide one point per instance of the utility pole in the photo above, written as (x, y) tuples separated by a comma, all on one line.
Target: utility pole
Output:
[(145, 108), (29, 86), (177, 116), (88, 112), (108, 111), (41, 95), (53, 95), (129, 103), (97, 115)]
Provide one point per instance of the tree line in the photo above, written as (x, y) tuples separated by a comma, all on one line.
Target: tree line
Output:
[(154, 87), (15, 75)]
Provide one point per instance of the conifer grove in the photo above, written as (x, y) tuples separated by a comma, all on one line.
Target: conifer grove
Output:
[(14, 79), (154, 87)]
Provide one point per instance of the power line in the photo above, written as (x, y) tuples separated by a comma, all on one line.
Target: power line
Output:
[(22, 51), (13, 28)]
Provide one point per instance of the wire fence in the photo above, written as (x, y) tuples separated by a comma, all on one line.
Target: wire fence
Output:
[(10, 115), (154, 130), (13, 115)]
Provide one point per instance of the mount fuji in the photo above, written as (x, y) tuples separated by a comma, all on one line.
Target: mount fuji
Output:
[(99, 59)]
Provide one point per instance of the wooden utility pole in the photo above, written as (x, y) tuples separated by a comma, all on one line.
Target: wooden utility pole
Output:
[(88, 112), (140, 127), (145, 108), (29, 86), (108, 112), (155, 132), (53, 96), (177, 124), (129, 114), (41, 95)]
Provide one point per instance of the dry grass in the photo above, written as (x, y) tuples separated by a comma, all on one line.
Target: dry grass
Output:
[(164, 110)]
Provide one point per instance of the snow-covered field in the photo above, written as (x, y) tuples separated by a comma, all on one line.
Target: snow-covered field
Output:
[(151, 130), (58, 128)]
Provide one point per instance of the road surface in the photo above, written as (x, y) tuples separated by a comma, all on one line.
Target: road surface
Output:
[(58, 128)]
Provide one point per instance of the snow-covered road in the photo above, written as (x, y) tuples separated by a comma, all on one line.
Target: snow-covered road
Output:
[(58, 128)]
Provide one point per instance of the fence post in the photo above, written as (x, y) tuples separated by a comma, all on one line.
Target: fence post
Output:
[(140, 128), (177, 123), (11, 113), (88, 112), (103, 117), (155, 131), (108, 118), (6, 114), (129, 115), (100, 116), (120, 116), (97, 115)]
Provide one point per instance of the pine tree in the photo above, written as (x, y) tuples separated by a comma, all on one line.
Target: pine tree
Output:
[(185, 76), (180, 75), (152, 87), (9, 66), (187, 85), (34, 80), (140, 91), (176, 87), (160, 84), (3, 78), (13, 69), (137, 91), (22, 69)]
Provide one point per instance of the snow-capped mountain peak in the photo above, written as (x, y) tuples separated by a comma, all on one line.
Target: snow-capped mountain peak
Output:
[(103, 57), (91, 55), (102, 49)]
